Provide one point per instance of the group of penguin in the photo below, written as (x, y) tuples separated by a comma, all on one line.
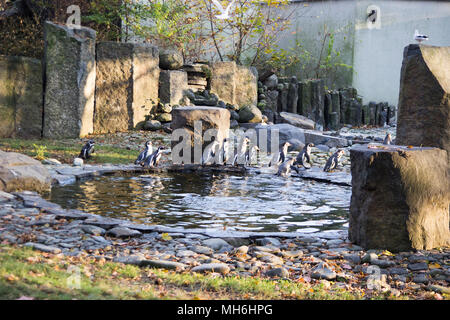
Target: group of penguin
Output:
[(150, 158)]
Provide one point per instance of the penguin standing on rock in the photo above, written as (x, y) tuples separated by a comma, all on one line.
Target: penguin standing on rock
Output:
[(240, 154), (87, 150), (145, 153), (210, 152), (387, 139), (249, 154), (333, 161), (153, 159), (285, 168), (304, 156), (280, 157), (225, 150)]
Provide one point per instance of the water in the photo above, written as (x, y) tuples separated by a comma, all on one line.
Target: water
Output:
[(220, 202)]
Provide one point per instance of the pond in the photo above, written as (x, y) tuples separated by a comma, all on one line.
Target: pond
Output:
[(257, 203)]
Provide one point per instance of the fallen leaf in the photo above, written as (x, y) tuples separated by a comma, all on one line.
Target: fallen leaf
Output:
[(434, 265)]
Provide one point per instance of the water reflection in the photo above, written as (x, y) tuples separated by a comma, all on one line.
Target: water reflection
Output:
[(246, 203)]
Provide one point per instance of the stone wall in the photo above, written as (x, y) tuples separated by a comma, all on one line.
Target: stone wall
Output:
[(424, 100), (21, 97), (70, 81), (126, 85)]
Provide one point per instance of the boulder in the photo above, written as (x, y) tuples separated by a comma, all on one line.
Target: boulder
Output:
[(126, 85), (400, 198), (164, 117), (189, 125), (172, 86), (271, 82), (21, 97), (70, 81), (281, 133), (424, 100), (170, 59), (246, 87), (19, 172), (250, 114), (296, 120), (152, 125)]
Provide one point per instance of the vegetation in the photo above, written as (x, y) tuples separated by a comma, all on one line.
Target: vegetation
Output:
[(28, 274)]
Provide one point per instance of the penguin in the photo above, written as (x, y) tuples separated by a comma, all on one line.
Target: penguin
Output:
[(333, 161), (153, 159), (285, 168), (249, 154), (87, 150), (387, 139), (225, 152), (304, 156), (280, 157), (145, 153), (242, 151), (210, 152)]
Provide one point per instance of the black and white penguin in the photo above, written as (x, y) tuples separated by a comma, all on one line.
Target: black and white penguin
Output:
[(240, 154), (225, 152), (333, 161), (153, 159), (387, 139), (304, 156), (285, 167), (148, 150), (87, 150), (249, 154), (280, 157), (210, 152)]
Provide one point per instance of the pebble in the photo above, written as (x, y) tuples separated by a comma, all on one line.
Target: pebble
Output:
[(163, 264), (212, 267), (418, 266), (420, 278), (123, 232), (268, 241), (42, 247), (215, 243), (277, 273), (323, 271), (93, 230)]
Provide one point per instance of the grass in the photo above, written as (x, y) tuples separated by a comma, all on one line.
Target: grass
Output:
[(31, 274), (66, 150)]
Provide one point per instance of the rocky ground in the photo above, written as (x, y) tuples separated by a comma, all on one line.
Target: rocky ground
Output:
[(28, 220)]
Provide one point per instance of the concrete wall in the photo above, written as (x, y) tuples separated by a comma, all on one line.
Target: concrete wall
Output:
[(378, 53)]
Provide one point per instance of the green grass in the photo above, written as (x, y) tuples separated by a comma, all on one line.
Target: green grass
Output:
[(28, 273), (66, 150)]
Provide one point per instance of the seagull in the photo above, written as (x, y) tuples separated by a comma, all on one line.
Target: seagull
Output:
[(225, 14), (419, 37)]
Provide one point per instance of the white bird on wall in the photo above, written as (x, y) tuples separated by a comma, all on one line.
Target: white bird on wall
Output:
[(419, 37), (225, 14)]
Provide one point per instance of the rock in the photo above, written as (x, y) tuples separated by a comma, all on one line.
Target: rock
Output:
[(172, 86), (410, 213), (268, 241), (296, 120), (192, 123), (318, 138), (323, 271), (241, 250), (152, 125), (418, 266), (19, 172), (78, 162), (164, 117), (233, 84), (170, 60), (215, 243), (250, 114), (164, 108), (438, 288), (382, 263), (203, 250), (354, 258), (126, 85), (21, 99), (420, 278), (42, 247), (212, 267), (163, 264), (369, 257), (51, 161), (70, 81), (271, 82), (283, 131), (93, 230), (423, 108), (292, 97), (123, 232), (277, 273)]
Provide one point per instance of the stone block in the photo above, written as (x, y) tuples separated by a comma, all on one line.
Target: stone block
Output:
[(191, 123), (317, 101), (172, 86), (304, 100), (246, 86), (223, 82), (400, 198), (126, 85), (70, 81), (21, 97), (424, 100), (292, 95)]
